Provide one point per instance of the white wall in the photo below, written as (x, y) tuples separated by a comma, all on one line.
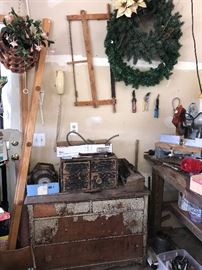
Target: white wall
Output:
[(102, 122)]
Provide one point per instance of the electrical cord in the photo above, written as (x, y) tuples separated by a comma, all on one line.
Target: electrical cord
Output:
[(87, 141), (58, 122), (195, 49)]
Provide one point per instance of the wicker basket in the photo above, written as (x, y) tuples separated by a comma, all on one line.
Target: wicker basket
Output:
[(16, 63)]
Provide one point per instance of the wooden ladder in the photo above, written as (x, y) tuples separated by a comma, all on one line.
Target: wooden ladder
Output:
[(27, 145)]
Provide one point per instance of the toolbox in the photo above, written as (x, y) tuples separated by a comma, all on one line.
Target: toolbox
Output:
[(89, 174)]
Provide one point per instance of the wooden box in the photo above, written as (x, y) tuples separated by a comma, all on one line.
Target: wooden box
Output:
[(88, 174)]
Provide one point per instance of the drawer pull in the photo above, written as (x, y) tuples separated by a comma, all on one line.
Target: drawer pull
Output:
[(98, 181)]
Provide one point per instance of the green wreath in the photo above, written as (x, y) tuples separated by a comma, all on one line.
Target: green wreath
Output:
[(127, 40)]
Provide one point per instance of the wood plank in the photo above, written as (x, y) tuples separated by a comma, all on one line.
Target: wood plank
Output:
[(184, 218), (98, 16), (97, 102), (17, 259), (23, 100), (193, 197), (176, 147), (77, 62), (97, 251), (72, 197), (85, 227), (177, 179), (87, 42), (155, 213), (27, 145)]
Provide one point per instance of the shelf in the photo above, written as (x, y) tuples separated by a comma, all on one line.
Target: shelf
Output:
[(176, 147), (183, 216), (178, 179)]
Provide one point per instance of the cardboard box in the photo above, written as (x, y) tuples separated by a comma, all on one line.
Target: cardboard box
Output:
[(42, 189), (196, 183)]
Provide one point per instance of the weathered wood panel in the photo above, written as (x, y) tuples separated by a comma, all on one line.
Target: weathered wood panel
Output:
[(59, 230), (72, 254), (122, 192), (118, 206), (75, 176), (89, 173), (60, 209)]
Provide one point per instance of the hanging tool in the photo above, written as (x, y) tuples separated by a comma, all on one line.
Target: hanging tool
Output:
[(175, 103), (113, 89), (134, 102), (136, 154), (156, 109), (84, 18), (73, 62), (146, 102)]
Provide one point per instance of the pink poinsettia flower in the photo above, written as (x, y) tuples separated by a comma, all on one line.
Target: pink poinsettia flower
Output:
[(8, 18), (13, 44), (44, 35), (38, 47)]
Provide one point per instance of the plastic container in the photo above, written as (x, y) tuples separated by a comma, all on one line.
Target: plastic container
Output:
[(183, 203), (165, 258), (195, 214)]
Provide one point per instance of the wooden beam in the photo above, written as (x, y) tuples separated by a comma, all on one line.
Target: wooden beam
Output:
[(86, 34), (27, 146), (77, 62), (91, 103), (23, 100), (98, 16)]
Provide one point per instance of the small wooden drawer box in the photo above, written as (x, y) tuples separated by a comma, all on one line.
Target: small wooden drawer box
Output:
[(88, 174)]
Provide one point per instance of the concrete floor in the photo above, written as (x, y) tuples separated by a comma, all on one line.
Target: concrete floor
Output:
[(131, 267)]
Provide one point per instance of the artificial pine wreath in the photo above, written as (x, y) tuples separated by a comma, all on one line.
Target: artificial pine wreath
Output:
[(149, 32)]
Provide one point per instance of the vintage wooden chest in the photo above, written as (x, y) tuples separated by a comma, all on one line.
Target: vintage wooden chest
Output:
[(88, 231), (88, 174)]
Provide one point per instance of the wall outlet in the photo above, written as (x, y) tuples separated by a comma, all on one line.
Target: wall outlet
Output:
[(73, 126), (39, 140)]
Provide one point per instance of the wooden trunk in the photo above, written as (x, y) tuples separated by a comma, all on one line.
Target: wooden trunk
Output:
[(88, 231), (88, 174)]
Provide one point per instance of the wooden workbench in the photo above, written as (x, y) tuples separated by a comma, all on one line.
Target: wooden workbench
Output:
[(180, 181)]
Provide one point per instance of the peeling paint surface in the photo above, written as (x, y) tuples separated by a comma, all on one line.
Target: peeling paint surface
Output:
[(45, 230), (90, 217), (63, 209), (133, 221), (118, 206)]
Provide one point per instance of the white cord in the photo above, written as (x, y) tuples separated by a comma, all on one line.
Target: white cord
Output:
[(58, 121), (27, 8), (41, 101)]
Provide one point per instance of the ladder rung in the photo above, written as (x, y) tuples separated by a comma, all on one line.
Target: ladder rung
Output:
[(96, 102), (77, 62), (101, 16)]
